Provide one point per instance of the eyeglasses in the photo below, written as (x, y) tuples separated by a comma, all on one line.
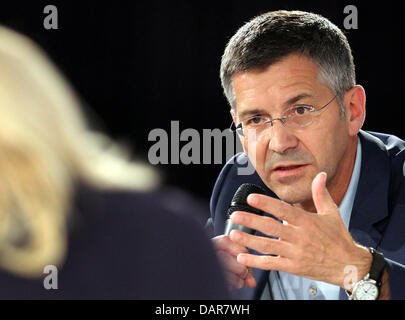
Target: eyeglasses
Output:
[(295, 117)]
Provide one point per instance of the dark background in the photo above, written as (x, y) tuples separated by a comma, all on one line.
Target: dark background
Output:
[(138, 65)]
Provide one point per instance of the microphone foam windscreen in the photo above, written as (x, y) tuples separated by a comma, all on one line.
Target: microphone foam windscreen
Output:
[(239, 200)]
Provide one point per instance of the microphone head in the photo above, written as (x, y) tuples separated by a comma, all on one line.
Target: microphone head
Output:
[(239, 203), (239, 200)]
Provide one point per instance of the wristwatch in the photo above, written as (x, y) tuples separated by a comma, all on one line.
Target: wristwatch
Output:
[(369, 287)]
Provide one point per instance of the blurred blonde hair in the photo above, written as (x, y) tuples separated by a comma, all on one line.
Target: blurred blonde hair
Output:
[(45, 146)]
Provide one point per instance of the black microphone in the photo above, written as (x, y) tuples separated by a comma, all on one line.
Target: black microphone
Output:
[(239, 203)]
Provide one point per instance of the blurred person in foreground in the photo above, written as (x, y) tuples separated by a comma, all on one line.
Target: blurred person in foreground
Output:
[(335, 215), (67, 203)]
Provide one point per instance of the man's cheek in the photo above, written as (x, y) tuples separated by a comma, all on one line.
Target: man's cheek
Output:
[(257, 153)]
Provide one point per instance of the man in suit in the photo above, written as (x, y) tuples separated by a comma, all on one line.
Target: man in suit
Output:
[(334, 210)]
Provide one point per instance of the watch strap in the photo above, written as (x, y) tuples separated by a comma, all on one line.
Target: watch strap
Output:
[(377, 266)]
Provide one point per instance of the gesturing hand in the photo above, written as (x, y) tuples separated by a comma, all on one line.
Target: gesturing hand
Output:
[(316, 246)]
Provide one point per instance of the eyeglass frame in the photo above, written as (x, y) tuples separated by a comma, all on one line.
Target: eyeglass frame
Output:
[(239, 127)]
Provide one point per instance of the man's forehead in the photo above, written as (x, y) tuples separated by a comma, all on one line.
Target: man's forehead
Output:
[(287, 69), (276, 96), (279, 82)]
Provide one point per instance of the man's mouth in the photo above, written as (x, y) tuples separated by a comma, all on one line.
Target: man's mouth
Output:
[(287, 170), (289, 167)]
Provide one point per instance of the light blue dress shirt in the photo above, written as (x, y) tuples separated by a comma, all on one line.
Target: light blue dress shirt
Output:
[(286, 286)]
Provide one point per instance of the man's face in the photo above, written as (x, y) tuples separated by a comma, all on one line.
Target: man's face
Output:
[(288, 159)]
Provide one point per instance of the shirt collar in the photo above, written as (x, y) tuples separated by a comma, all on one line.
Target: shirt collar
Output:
[(346, 205)]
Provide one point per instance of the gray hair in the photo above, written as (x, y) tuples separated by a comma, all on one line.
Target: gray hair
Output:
[(270, 37)]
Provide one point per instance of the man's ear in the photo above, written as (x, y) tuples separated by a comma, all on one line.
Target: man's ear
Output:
[(355, 102), (232, 112)]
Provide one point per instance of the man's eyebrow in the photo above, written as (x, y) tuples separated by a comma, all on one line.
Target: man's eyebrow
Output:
[(297, 98), (245, 114)]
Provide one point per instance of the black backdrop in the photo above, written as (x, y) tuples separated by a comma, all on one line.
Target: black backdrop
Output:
[(140, 64)]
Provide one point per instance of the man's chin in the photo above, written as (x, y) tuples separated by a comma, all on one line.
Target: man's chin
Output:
[(294, 198), (293, 193)]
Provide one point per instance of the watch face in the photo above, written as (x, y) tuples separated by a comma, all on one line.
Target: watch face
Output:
[(366, 291)]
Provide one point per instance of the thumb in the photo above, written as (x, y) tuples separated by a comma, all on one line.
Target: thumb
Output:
[(250, 281), (320, 195)]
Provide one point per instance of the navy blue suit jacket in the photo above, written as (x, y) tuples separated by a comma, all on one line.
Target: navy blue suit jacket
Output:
[(130, 245), (378, 214)]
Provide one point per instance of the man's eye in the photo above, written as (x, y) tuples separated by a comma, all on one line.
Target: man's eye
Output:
[(301, 110), (254, 120)]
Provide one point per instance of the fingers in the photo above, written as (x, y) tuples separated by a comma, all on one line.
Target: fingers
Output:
[(226, 244), (322, 200), (266, 225), (261, 244), (250, 281), (237, 274), (232, 266), (236, 282), (264, 262), (273, 206)]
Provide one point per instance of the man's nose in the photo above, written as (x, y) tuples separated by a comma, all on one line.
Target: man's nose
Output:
[(281, 138)]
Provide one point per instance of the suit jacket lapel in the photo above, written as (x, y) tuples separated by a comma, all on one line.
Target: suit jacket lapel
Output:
[(370, 206)]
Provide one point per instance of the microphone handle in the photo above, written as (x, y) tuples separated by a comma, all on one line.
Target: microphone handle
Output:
[(229, 226)]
